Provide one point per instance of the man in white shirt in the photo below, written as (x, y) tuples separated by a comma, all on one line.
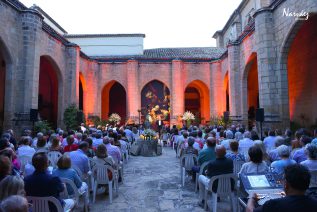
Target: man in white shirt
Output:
[(269, 142), (25, 149), (245, 143)]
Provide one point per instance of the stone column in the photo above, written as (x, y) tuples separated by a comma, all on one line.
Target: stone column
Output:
[(28, 78), (270, 86), (71, 79), (235, 95), (177, 94), (133, 92), (217, 92)]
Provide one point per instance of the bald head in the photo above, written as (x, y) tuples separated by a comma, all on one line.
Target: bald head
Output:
[(220, 151)]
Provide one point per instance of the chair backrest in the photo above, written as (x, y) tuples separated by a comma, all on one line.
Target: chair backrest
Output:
[(40, 204), (24, 160), (100, 173), (53, 157), (203, 168), (237, 166), (313, 179), (188, 161), (224, 183), (79, 172), (70, 185)]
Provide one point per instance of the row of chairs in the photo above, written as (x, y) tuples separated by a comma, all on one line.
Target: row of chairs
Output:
[(224, 181)]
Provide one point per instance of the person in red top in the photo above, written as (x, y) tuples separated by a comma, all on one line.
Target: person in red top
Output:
[(70, 144)]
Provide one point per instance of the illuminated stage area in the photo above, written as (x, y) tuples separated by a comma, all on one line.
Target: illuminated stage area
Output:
[(264, 59)]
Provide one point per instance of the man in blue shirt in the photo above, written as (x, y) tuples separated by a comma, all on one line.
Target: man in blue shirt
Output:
[(208, 154)]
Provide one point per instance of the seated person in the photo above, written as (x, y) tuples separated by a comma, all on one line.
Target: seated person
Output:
[(279, 165), (64, 170), (15, 203), (256, 164), (221, 165), (234, 154), (43, 184), (71, 146), (5, 167), (79, 157), (41, 145), (311, 162), (208, 154), (190, 149), (102, 157), (300, 155), (56, 145), (11, 185), (297, 179), (25, 149)]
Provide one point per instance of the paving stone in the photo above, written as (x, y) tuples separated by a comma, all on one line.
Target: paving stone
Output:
[(152, 184)]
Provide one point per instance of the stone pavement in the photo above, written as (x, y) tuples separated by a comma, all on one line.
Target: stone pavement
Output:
[(152, 184)]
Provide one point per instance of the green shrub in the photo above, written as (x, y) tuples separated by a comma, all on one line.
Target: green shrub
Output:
[(42, 126), (70, 117)]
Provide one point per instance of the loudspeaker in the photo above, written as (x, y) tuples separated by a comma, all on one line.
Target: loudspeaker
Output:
[(226, 116), (80, 117), (259, 115), (33, 114)]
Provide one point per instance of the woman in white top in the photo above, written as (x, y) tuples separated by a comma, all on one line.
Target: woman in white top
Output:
[(256, 164), (102, 157)]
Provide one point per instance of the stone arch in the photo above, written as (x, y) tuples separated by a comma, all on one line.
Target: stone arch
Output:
[(298, 75), (5, 72), (226, 89), (50, 96), (82, 89), (204, 98), (113, 100), (154, 94), (250, 89)]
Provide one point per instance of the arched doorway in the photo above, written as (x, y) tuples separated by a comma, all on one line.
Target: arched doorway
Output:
[(302, 73), (2, 86), (48, 90), (113, 100), (197, 100), (82, 88), (226, 86), (252, 88), (155, 100)]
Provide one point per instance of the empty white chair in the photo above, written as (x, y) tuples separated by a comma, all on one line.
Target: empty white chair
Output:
[(201, 172), (223, 190), (187, 162), (53, 157), (76, 195), (40, 204), (101, 177)]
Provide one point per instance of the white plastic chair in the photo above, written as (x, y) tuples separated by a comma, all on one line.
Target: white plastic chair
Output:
[(76, 195), (53, 157), (100, 173), (201, 172), (23, 161), (223, 190), (187, 162), (237, 167), (40, 204)]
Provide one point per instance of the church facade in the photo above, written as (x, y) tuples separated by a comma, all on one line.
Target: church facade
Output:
[(266, 57)]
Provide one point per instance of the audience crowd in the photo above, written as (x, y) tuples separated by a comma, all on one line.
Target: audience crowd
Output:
[(26, 168)]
